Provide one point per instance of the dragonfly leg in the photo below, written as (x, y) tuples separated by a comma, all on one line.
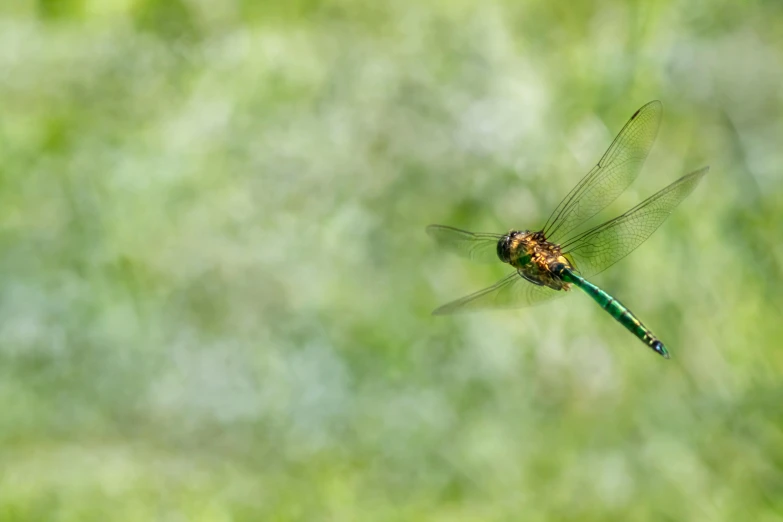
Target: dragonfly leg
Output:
[(528, 278)]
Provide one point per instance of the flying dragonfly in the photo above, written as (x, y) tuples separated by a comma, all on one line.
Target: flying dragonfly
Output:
[(549, 261)]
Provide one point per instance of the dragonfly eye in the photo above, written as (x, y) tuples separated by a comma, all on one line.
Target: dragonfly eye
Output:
[(504, 248)]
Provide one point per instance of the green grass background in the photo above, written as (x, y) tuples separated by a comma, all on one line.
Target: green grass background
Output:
[(215, 284)]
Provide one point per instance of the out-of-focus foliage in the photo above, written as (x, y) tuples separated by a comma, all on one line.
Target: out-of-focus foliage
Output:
[(215, 285)]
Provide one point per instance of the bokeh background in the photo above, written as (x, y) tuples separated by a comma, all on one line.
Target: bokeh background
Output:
[(215, 282)]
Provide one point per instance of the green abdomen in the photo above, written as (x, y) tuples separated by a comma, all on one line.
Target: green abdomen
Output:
[(617, 310)]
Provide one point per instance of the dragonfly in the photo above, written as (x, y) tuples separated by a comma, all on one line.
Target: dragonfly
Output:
[(550, 261)]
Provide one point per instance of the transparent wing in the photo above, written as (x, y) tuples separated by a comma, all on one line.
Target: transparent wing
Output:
[(599, 248), (479, 247), (617, 169), (510, 292)]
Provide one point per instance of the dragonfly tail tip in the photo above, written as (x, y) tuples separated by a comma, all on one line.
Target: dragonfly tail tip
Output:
[(658, 347)]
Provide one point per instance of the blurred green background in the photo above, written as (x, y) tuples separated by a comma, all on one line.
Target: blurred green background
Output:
[(216, 284)]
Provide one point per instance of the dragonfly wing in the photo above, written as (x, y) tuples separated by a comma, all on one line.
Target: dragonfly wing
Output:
[(600, 247), (480, 247), (510, 292), (617, 169)]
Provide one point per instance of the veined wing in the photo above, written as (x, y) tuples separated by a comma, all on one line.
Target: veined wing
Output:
[(600, 247), (617, 169), (510, 292), (480, 247)]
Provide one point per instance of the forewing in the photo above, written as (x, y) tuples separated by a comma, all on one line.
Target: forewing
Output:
[(617, 169), (510, 292), (480, 247), (599, 248)]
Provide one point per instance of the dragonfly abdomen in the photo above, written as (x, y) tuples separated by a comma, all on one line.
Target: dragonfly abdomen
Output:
[(616, 309)]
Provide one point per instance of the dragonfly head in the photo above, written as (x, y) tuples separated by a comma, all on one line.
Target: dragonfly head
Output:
[(507, 245)]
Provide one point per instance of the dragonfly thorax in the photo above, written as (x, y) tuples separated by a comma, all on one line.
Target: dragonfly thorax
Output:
[(537, 259)]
